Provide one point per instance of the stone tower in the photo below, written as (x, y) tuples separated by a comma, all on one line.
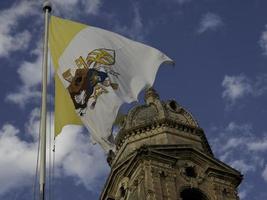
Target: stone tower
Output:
[(163, 154)]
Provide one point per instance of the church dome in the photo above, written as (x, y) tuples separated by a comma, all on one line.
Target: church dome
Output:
[(162, 152), (156, 110), (158, 122)]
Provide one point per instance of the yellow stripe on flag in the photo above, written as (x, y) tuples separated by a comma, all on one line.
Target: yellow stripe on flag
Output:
[(61, 32)]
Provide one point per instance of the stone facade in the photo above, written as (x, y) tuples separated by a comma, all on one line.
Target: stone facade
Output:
[(163, 154)]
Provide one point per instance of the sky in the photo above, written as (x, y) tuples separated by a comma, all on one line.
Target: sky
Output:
[(220, 76)]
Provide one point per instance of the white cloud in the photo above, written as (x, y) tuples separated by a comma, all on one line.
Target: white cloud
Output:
[(209, 22), (264, 173), (230, 135), (260, 85), (16, 159), (245, 190), (30, 74), (76, 157), (239, 146), (263, 41), (33, 123), (235, 87), (23, 96), (242, 166), (259, 145), (242, 194), (14, 38), (240, 86), (92, 6), (233, 127), (233, 142), (75, 7), (10, 40), (136, 29), (74, 147)]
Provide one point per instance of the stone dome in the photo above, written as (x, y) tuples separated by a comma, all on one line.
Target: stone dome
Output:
[(156, 110), (158, 122), (162, 153)]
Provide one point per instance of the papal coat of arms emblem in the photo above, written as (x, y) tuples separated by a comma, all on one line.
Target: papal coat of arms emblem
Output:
[(91, 78)]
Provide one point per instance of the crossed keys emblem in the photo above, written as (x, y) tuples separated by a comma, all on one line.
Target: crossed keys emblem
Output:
[(91, 78)]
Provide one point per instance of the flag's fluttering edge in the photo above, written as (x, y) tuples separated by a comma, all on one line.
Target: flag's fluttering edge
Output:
[(97, 71)]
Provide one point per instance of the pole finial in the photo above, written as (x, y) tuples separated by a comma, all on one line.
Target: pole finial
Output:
[(47, 6)]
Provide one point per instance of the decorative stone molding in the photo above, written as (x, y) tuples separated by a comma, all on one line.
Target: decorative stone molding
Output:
[(151, 95), (123, 189), (194, 179), (178, 113), (124, 134), (150, 195)]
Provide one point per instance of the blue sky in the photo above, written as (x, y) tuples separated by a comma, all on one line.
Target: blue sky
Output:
[(220, 50)]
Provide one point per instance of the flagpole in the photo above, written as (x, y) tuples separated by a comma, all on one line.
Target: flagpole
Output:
[(47, 9)]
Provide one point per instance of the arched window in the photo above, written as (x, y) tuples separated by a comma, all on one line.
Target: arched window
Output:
[(192, 194)]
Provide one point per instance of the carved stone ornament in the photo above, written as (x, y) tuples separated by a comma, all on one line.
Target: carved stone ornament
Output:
[(193, 174), (178, 113), (123, 189)]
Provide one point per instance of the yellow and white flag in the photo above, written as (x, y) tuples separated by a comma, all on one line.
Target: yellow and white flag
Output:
[(97, 71)]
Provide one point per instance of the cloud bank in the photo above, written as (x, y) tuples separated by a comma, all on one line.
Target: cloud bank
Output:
[(240, 86), (75, 155), (10, 40), (241, 147)]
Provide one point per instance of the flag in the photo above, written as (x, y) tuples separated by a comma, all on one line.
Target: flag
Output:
[(95, 72)]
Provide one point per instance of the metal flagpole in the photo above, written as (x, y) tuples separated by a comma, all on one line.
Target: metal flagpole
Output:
[(47, 9)]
